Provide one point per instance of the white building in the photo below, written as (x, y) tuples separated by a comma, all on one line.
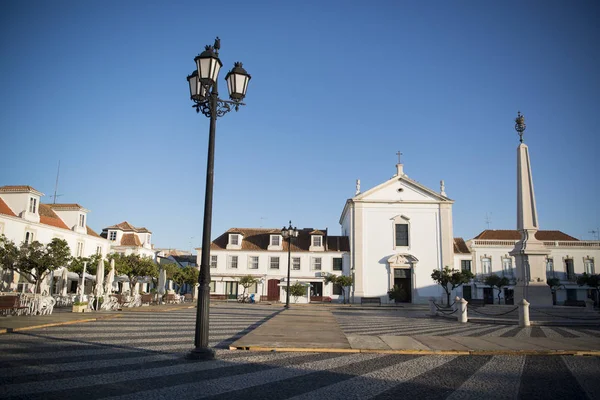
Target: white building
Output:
[(126, 239), (568, 258), (399, 231), (23, 219), (263, 253)]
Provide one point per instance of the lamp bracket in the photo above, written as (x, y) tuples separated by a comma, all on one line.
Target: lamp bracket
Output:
[(222, 107)]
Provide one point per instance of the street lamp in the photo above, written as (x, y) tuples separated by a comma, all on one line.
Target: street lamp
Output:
[(204, 93), (289, 233)]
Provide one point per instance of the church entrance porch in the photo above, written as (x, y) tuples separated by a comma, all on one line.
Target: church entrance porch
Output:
[(402, 279)]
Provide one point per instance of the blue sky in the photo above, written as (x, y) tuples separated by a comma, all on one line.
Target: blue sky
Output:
[(337, 89)]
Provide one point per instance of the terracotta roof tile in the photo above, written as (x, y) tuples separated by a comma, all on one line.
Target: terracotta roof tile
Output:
[(91, 232), (491, 234), (130, 239), (49, 217), (66, 206), (460, 247), (16, 188), (127, 227), (5, 209), (258, 239)]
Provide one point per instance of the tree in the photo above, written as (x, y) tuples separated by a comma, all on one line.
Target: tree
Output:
[(76, 264), (135, 267), (591, 280), (297, 290), (246, 282), (9, 254), (494, 281), (398, 294), (342, 281), (35, 260), (452, 277), (185, 275)]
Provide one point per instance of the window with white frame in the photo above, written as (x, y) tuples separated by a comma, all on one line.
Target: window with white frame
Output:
[(253, 262), (112, 236), (317, 241), (337, 263), (148, 238), (570, 269), (316, 263), (296, 263), (28, 237), (232, 262), (99, 250), (275, 240), (550, 268), (234, 240), (274, 262), (82, 220), (213, 261), (507, 269), (79, 252), (588, 266), (32, 205), (486, 265)]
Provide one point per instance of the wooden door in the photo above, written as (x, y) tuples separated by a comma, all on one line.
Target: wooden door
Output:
[(273, 290)]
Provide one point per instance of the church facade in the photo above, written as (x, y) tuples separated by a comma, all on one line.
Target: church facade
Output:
[(398, 232)]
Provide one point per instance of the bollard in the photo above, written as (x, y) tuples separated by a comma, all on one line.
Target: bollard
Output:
[(432, 309), (589, 305), (524, 313), (462, 310)]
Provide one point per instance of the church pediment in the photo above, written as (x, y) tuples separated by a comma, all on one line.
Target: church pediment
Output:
[(402, 260), (401, 189)]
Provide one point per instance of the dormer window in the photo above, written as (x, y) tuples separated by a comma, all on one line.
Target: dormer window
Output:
[(112, 236), (317, 241), (275, 240), (32, 205), (82, 220), (235, 241), (148, 239)]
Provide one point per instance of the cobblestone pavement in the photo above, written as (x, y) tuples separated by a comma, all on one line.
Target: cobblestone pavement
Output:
[(141, 356), (399, 323)]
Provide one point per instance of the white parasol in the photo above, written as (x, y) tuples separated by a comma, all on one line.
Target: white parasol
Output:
[(108, 285), (162, 280), (99, 278), (64, 280)]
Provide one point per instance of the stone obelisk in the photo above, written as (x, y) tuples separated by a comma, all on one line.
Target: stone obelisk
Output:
[(530, 253)]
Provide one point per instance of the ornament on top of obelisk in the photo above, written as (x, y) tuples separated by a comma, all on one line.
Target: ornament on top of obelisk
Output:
[(529, 252)]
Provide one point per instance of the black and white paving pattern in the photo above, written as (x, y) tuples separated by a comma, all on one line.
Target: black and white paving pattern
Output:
[(141, 356)]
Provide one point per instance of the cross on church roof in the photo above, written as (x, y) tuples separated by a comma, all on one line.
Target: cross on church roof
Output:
[(399, 154)]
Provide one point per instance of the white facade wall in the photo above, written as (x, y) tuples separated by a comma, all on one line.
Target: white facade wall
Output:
[(223, 272)]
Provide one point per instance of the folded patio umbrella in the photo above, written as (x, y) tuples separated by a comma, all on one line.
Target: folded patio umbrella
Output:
[(99, 278), (110, 278)]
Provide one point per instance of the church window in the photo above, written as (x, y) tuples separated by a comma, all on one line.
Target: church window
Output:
[(401, 235), (507, 269)]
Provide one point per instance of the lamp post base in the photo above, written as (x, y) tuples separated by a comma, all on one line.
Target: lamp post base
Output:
[(201, 354)]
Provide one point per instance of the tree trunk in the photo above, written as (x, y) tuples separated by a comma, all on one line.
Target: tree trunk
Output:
[(447, 298)]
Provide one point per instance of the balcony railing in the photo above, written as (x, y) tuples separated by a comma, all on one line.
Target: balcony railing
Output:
[(594, 244)]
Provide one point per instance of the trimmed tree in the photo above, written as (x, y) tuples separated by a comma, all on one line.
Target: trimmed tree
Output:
[(134, 267), (342, 281), (592, 281), (9, 254), (297, 290), (35, 260), (76, 264), (246, 282), (450, 279), (494, 281), (185, 275)]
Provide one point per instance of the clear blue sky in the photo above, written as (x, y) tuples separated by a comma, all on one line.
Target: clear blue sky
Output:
[(337, 88)]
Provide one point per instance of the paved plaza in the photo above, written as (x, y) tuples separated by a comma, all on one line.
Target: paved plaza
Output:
[(140, 355)]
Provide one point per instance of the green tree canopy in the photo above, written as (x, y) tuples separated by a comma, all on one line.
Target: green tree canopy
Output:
[(76, 264), (135, 267), (591, 280), (9, 253), (450, 279), (297, 290), (185, 275), (246, 282), (35, 260), (342, 281), (495, 281)]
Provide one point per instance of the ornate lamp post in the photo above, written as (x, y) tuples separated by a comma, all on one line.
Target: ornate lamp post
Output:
[(204, 93), (289, 233), (520, 125)]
